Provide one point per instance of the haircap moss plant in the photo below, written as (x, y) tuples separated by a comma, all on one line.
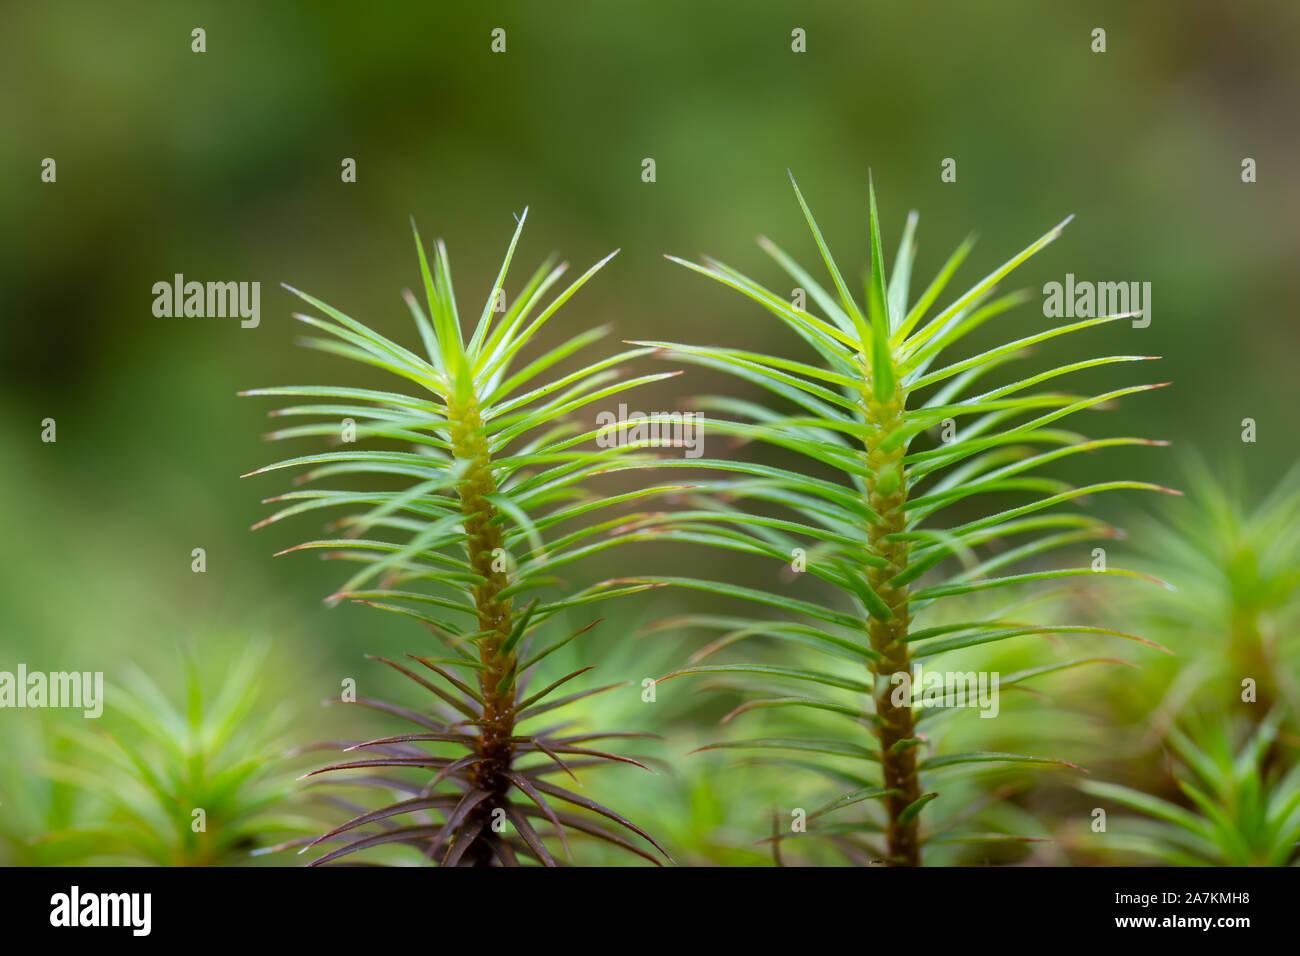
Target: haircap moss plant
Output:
[(868, 530), (1239, 808), (1242, 561), (204, 784), (494, 468)]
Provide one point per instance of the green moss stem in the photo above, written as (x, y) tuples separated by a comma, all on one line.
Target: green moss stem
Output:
[(895, 723), (485, 546)]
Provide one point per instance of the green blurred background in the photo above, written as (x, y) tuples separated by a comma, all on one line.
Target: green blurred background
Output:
[(226, 166)]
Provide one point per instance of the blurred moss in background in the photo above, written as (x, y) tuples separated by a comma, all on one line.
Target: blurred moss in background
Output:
[(226, 166)]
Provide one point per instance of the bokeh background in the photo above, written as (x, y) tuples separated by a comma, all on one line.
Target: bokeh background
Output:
[(226, 166)]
